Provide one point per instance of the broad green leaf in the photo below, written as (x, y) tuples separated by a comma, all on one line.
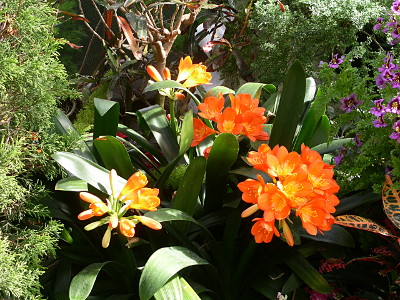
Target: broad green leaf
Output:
[(82, 283), (222, 156), (391, 202), (155, 118), (138, 24), (321, 133), (251, 173), (172, 290), (71, 184), (361, 198), (162, 266), (362, 223), (106, 117), (329, 147), (290, 107), (188, 292), (88, 171), (311, 88), (114, 155), (306, 272), (63, 126), (291, 284), (165, 84), (186, 137), (144, 143), (252, 88), (189, 188), (337, 235), (272, 103), (213, 92)]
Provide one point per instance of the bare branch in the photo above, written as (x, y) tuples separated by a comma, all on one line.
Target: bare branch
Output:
[(102, 19)]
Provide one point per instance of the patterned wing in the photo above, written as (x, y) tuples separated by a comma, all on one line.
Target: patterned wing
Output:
[(391, 202), (361, 223)]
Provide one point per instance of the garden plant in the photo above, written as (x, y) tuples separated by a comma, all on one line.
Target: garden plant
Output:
[(148, 181)]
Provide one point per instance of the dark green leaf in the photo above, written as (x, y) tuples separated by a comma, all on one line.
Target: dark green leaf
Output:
[(106, 117), (337, 235), (155, 118), (222, 156), (114, 155), (186, 133), (162, 266), (290, 107), (321, 133), (82, 283), (306, 272), (353, 201), (329, 147)]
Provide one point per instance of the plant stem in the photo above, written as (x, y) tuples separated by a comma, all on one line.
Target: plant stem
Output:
[(173, 120)]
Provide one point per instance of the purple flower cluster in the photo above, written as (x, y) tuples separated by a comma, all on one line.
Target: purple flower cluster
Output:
[(380, 110), (350, 103), (389, 74), (335, 61), (393, 25)]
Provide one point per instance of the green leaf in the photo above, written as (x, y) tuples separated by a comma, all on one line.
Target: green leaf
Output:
[(223, 154), (141, 141), (172, 290), (114, 155), (213, 92), (306, 272), (186, 133), (290, 107), (63, 126), (321, 133), (82, 283), (155, 118), (162, 266), (189, 188), (337, 235), (332, 146), (311, 88), (252, 88), (353, 201), (106, 117), (165, 84), (88, 171), (138, 24), (71, 184)]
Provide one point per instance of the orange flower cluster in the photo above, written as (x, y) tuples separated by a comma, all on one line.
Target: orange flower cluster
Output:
[(302, 183), (243, 117), (190, 75), (134, 195)]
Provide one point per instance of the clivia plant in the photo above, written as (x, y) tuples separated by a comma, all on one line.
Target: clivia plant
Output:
[(197, 241)]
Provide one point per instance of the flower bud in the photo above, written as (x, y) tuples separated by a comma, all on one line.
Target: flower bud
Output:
[(149, 222), (106, 238)]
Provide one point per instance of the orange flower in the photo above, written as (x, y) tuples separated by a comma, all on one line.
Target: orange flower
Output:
[(137, 181), (263, 231), (206, 152), (243, 103), (153, 73), (229, 121), (127, 227), (314, 216), (252, 189), (192, 74), (211, 107), (253, 126), (145, 198), (96, 207), (322, 178), (149, 222), (200, 132), (274, 203)]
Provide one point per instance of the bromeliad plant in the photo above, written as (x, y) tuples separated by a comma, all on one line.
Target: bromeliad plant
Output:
[(201, 216)]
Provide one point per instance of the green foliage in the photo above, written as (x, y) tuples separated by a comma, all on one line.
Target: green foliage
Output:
[(308, 30)]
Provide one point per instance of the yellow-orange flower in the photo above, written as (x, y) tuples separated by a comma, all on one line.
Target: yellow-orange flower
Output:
[(192, 74), (127, 227), (145, 198), (314, 216), (229, 121), (153, 73), (137, 181), (96, 207)]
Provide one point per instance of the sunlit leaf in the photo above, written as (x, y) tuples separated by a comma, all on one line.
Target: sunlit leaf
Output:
[(162, 266), (71, 184), (361, 223), (391, 201), (213, 92)]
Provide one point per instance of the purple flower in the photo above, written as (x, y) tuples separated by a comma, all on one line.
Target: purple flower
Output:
[(339, 158), (388, 64), (379, 109), (395, 83), (378, 24), (396, 134), (379, 122), (396, 31), (357, 141), (336, 61), (394, 106), (396, 7), (350, 103)]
